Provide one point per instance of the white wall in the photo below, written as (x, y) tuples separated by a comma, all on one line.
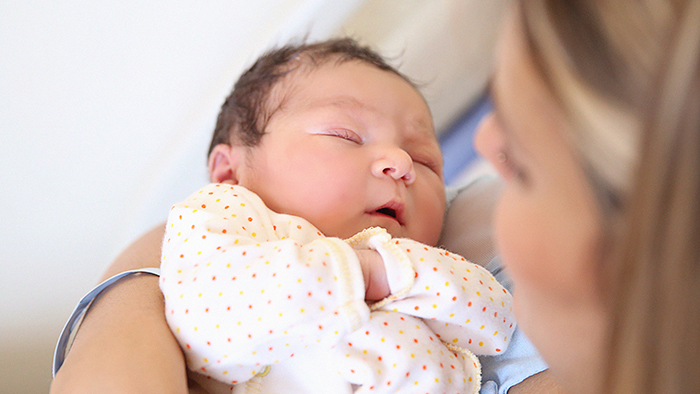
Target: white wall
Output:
[(106, 109)]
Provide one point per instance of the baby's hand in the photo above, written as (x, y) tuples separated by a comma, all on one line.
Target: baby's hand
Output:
[(376, 284)]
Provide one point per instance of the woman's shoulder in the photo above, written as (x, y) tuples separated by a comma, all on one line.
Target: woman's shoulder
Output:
[(468, 229)]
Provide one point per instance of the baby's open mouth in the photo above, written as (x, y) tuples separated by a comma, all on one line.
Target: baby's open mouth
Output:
[(393, 210), (387, 211)]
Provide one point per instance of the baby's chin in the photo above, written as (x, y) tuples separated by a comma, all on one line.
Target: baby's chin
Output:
[(430, 239)]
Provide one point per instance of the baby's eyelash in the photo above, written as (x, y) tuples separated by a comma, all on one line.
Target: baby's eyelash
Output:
[(346, 134), (433, 166)]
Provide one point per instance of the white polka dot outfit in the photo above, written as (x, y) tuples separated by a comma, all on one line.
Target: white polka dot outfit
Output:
[(255, 297)]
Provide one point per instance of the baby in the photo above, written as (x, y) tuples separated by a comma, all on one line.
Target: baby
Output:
[(307, 266)]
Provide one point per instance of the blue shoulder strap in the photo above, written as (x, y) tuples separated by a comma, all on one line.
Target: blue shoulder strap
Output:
[(76, 318)]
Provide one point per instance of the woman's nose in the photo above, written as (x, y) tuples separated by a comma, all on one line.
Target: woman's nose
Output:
[(395, 163), (485, 141)]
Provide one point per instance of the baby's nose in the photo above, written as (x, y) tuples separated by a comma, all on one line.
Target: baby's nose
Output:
[(397, 164)]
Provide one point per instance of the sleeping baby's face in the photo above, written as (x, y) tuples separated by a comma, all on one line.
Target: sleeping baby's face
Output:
[(352, 147)]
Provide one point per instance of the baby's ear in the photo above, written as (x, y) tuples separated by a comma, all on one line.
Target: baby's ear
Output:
[(223, 163)]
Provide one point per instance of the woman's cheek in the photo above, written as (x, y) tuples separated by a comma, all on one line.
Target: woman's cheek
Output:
[(511, 237)]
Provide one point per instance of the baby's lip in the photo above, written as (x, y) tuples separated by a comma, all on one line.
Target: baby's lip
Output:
[(393, 209)]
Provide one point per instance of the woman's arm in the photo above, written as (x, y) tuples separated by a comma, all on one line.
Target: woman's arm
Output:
[(124, 344), (541, 383)]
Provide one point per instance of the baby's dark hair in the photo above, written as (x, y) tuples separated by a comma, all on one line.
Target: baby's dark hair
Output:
[(247, 109)]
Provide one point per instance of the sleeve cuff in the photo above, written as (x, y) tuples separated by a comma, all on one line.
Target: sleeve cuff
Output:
[(399, 269)]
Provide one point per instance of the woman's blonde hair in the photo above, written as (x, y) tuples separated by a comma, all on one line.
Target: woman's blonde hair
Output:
[(627, 74)]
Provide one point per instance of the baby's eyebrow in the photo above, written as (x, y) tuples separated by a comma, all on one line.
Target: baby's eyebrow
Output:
[(422, 123), (341, 101)]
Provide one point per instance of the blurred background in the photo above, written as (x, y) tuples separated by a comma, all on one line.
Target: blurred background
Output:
[(107, 108)]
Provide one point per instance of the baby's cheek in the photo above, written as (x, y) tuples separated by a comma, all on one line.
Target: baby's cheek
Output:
[(430, 210)]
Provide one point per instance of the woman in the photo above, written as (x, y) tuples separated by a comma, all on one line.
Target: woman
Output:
[(597, 133)]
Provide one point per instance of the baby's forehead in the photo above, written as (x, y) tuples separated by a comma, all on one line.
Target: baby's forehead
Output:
[(293, 86)]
